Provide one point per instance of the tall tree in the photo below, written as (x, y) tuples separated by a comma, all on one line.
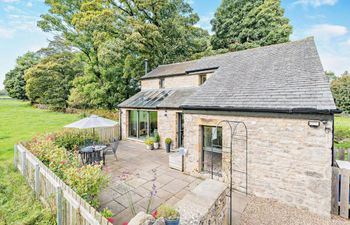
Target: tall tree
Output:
[(14, 81), (243, 24), (341, 91), (161, 31), (49, 82)]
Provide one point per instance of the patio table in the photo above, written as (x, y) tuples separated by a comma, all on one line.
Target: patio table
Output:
[(92, 154)]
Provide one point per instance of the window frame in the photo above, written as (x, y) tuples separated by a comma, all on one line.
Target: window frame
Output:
[(208, 149), (202, 77), (161, 83), (138, 123)]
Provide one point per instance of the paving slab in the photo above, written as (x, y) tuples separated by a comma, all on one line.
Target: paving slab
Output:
[(136, 170)]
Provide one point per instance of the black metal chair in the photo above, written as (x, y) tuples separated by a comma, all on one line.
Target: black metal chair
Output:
[(114, 147)]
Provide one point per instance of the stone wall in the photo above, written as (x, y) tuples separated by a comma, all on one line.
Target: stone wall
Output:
[(204, 205), (287, 160), (181, 81), (167, 126)]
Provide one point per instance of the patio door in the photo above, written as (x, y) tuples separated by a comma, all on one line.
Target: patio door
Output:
[(142, 124), (212, 150), (180, 130)]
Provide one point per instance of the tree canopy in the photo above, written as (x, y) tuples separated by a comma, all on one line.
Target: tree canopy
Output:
[(116, 37), (14, 81), (49, 82), (341, 91), (104, 43), (243, 24)]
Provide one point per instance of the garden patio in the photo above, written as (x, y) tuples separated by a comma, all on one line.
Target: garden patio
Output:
[(139, 172)]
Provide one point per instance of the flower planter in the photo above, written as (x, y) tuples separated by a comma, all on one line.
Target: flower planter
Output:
[(156, 145), (172, 222), (149, 147), (167, 147)]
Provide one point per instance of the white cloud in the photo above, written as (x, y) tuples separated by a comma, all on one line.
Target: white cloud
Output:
[(204, 21), (6, 33), (327, 31), (315, 3), (29, 4)]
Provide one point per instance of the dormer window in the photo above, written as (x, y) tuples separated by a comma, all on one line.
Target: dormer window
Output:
[(161, 83), (202, 78)]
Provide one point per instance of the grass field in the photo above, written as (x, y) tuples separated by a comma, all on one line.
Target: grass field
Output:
[(20, 121), (342, 131)]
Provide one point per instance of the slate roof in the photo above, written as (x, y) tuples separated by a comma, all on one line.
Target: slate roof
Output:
[(285, 77), (158, 98)]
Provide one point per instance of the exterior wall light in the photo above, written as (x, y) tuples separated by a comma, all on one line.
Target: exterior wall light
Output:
[(314, 123)]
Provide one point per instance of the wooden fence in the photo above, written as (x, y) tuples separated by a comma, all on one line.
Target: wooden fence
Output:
[(69, 207), (106, 134)]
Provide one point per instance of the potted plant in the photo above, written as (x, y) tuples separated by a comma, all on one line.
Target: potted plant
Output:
[(169, 213), (149, 143), (168, 142), (156, 141)]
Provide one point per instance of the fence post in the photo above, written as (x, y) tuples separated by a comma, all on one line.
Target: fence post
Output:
[(24, 159), (15, 156), (335, 190), (341, 154), (59, 205), (344, 193), (37, 179)]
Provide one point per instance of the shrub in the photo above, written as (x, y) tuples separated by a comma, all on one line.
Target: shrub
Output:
[(156, 138), (168, 141), (87, 181), (72, 138), (341, 92), (167, 212), (149, 141)]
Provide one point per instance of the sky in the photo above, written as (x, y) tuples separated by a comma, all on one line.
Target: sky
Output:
[(327, 20)]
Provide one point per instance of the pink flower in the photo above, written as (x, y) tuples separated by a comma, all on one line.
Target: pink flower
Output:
[(125, 223), (110, 220), (154, 214)]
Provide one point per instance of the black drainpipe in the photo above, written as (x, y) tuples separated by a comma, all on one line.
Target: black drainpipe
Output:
[(120, 124), (333, 156)]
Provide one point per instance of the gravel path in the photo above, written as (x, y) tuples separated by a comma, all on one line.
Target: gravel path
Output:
[(261, 211)]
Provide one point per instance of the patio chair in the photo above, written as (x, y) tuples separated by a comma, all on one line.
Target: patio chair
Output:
[(113, 147)]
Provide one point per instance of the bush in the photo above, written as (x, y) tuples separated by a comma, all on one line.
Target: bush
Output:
[(71, 139), (149, 141), (168, 141), (167, 212), (156, 138), (87, 181), (341, 92)]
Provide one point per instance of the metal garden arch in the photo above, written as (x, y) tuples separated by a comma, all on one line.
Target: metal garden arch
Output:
[(233, 125)]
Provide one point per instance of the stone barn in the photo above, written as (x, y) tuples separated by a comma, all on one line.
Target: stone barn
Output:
[(267, 111)]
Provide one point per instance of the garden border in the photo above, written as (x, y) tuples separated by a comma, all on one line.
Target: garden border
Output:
[(71, 209)]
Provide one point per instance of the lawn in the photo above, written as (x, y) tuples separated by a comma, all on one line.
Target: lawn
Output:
[(342, 131), (20, 121)]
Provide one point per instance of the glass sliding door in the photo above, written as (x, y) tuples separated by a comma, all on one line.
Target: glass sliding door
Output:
[(133, 114), (212, 150), (142, 123), (153, 123)]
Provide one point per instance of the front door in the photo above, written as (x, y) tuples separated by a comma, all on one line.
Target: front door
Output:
[(180, 130)]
